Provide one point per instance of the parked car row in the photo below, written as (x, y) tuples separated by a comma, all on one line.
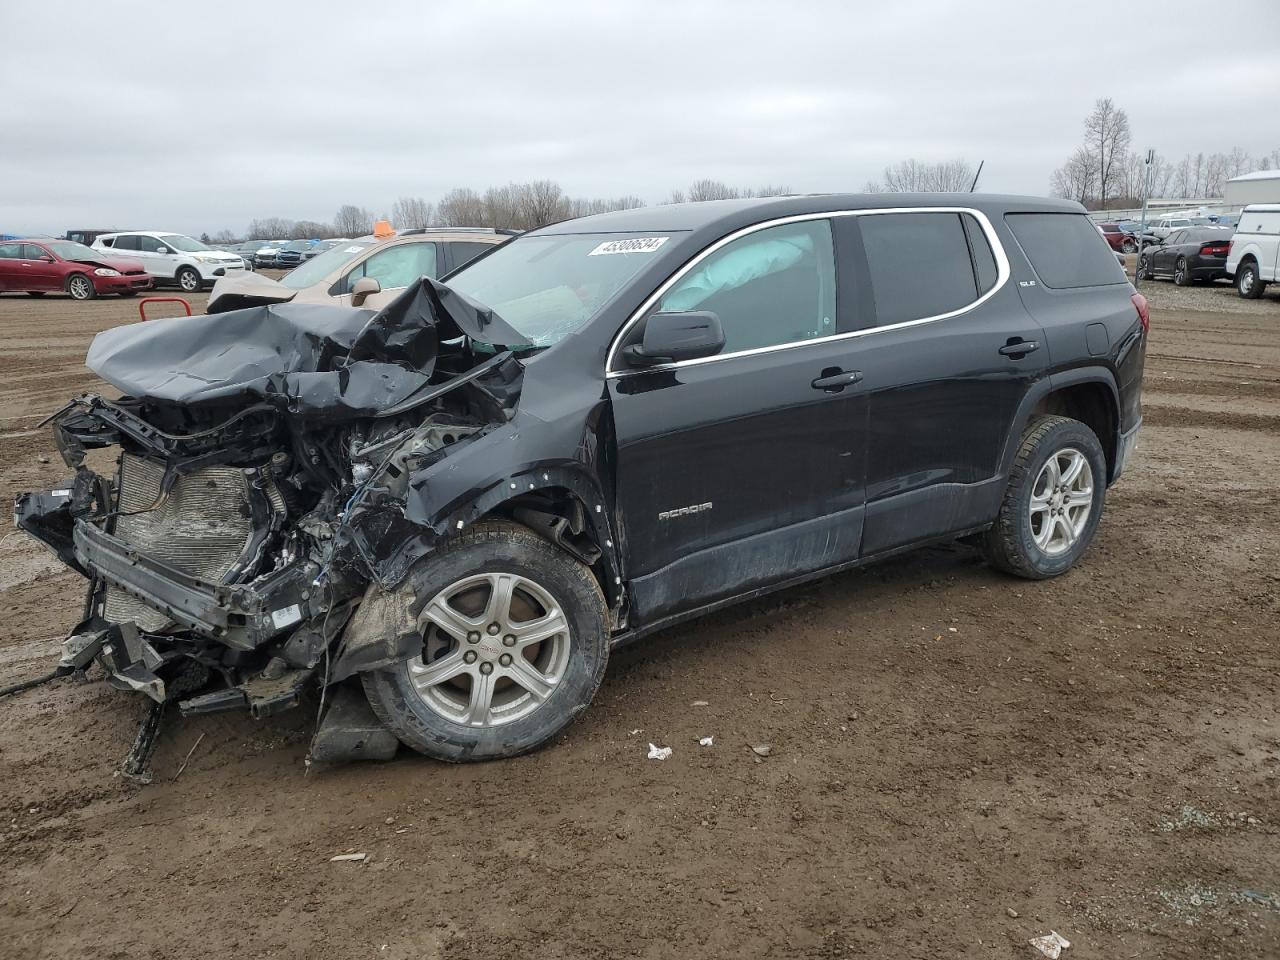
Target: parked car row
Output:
[(366, 272), (1247, 251), (37, 267)]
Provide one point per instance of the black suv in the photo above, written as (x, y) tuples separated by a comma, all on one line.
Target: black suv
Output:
[(462, 502)]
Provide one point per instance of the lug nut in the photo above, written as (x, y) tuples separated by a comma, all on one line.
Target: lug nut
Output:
[(509, 640), (493, 629), (505, 659), (473, 637), (469, 657), (486, 668)]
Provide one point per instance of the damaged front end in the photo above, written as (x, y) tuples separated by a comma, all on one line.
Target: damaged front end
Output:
[(266, 479)]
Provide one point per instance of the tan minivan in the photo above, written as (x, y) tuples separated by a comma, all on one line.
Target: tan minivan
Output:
[(366, 272)]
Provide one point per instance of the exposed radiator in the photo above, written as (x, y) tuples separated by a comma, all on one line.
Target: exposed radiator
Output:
[(203, 528)]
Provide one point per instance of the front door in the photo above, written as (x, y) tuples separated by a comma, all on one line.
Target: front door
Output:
[(160, 258), (740, 470), (41, 271)]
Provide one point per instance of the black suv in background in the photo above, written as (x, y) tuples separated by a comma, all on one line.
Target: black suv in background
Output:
[(462, 502)]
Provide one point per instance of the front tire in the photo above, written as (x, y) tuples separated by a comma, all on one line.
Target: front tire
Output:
[(1181, 274), (1053, 502), (515, 643), (188, 279), (1248, 284), (1144, 268), (80, 287)]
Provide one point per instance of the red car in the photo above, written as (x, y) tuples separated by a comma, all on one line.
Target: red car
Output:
[(1116, 237), (38, 267)]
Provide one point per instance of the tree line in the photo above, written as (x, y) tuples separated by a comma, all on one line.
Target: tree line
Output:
[(1105, 173), (526, 206)]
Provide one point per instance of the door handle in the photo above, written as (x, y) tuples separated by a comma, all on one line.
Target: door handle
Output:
[(833, 379), (1017, 348)]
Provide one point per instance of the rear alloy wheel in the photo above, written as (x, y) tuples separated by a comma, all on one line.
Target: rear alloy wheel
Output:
[(1053, 502), (1248, 284), (1181, 274), (515, 640), (80, 287), (188, 279)]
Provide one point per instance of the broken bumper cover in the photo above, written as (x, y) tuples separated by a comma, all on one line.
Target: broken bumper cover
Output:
[(241, 616)]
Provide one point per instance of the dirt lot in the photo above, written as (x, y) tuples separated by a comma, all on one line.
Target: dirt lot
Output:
[(959, 760)]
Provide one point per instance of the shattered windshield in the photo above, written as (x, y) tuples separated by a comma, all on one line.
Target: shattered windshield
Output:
[(546, 287), (322, 264)]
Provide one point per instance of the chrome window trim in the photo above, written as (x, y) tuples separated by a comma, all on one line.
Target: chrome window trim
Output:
[(997, 249)]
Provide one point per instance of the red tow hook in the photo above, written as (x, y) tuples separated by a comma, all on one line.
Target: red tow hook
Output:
[(142, 304)]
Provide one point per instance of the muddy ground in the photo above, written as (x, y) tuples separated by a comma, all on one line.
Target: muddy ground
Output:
[(959, 760)]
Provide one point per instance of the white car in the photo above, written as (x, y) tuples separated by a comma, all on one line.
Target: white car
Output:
[(1168, 225), (173, 257), (1254, 258)]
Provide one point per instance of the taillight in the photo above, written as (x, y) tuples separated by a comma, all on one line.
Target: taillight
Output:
[(1144, 311), (1215, 249)]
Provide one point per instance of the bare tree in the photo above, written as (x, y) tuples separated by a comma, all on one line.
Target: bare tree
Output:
[(769, 190), (352, 221), (271, 228), (1077, 178), (224, 236), (541, 202), (1106, 135), (461, 207), (917, 176), (412, 212), (701, 190)]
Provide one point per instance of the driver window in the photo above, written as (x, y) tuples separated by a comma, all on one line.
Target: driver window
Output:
[(396, 267), (149, 244), (768, 288)]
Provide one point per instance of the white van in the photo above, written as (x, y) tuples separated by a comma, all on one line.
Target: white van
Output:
[(173, 257), (1254, 257)]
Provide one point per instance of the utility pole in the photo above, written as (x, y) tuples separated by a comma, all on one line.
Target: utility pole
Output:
[(1149, 162)]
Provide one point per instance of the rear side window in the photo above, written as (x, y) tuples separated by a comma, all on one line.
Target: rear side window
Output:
[(464, 250), (920, 264), (1065, 250), (125, 243), (10, 251)]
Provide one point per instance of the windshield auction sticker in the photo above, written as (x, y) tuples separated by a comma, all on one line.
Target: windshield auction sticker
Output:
[(630, 245)]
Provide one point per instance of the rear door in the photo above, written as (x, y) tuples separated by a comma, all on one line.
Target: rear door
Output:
[(947, 356), (10, 258), (738, 471)]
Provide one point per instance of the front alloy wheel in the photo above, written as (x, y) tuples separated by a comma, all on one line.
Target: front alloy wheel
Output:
[(514, 643), (188, 280), (495, 647), (80, 287)]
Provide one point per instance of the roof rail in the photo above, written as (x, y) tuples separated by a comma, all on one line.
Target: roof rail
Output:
[(505, 231)]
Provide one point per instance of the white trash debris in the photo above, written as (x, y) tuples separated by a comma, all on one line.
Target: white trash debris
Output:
[(706, 741), (762, 750), (348, 858), (659, 753), (1051, 944), (700, 703)]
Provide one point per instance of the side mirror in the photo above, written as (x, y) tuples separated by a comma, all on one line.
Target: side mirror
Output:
[(46, 258), (162, 250), (670, 337), (364, 288)]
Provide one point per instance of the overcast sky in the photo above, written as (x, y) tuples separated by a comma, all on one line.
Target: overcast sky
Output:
[(201, 116)]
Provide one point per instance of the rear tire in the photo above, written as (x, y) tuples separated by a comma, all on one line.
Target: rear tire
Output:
[(188, 279), (1128, 245), (1050, 513), (1181, 275), (482, 689), (1248, 283), (80, 287)]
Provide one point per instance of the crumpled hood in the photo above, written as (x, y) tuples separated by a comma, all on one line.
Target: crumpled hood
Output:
[(239, 290), (315, 361), (119, 264)]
